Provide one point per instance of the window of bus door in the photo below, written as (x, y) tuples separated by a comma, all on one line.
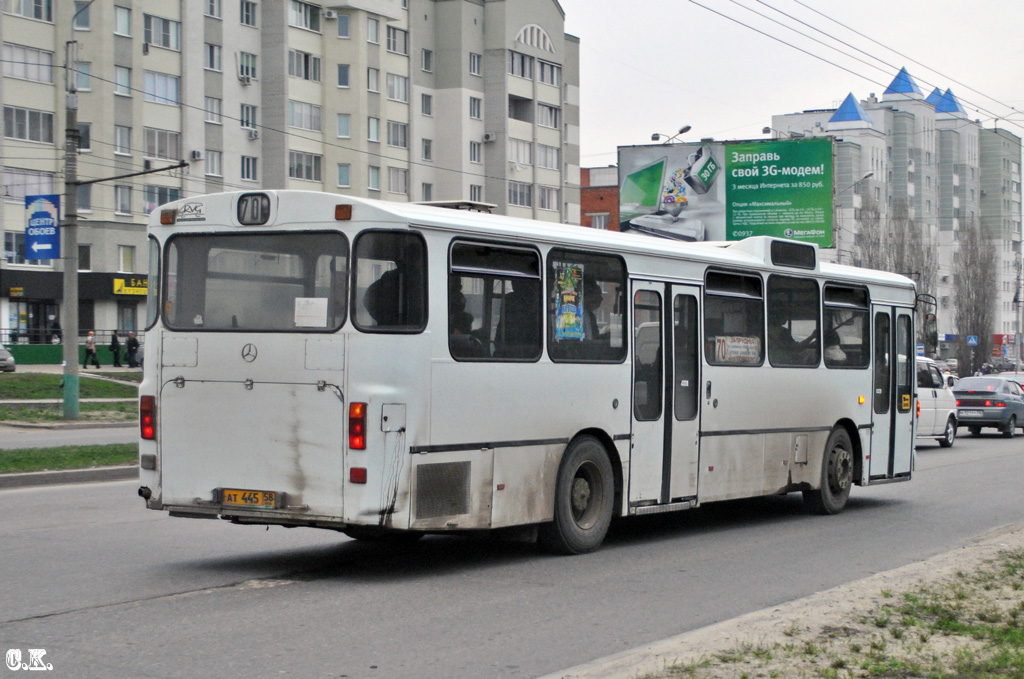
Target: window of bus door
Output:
[(153, 287), (904, 363), (494, 303), (883, 340), (586, 299), (685, 340), (279, 282), (733, 319), (390, 290), (647, 355), (794, 328), (847, 330)]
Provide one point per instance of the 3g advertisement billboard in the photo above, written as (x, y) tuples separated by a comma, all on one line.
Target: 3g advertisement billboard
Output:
[(729, 190)]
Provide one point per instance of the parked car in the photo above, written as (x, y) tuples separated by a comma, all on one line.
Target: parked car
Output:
[(990, 401), (7, 364), (936, 404)]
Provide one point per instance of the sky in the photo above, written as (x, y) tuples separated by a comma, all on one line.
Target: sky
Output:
[(651, 66)]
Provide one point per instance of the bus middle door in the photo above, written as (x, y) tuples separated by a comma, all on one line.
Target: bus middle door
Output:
[(892, 435), (666, 385)]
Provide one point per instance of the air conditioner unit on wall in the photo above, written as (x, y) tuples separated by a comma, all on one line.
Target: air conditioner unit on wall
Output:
[(489, 136), (254, 134), (197, 155), (245, 79), (330, 14)]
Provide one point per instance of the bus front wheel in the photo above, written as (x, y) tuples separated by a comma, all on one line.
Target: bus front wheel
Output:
[(584, 496), (836, 475)]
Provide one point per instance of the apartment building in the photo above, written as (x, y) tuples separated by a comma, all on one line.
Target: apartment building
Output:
[(407, 100)]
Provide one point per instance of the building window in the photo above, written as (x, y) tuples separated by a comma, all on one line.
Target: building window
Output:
[(304, 165), (213, 8), (85, 258), (475, 64), (248, 13), (303, 65), (427, 192), (249, 168), (122, 81), (373, 129), (27, 124), (520, 194), (476, 153), (599, 221), (83, 76), (428, 149), (373, 178), (427, 60), (398, 41), (520, 65), (27, 63), (343, 30), (246, 65), (212, 57), (21, 183), (82, 21), (213, 110), (162, 32), (247, 116), (548, 73), (155, 196), (344, 175), (547, 198), (520, 151), (126, 258), (373, 31), (427, 104), (398, 134), (373, 80), (304, 116), (398, 87), (33, 9), (344, 125), (214, 163), (160, 88), (85, 197), (547, 156), (476, 193), (122, 140), (163, 144), (304, 15), (342, 75), (85, 136), (549, 116), (398, 180), (14, 249), (476, 105), (122, 199)]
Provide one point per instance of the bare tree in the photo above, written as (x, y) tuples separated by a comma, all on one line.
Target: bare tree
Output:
[(974, 293)]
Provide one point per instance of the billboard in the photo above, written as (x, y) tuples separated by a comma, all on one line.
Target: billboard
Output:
[(729, 190), (42, 234)]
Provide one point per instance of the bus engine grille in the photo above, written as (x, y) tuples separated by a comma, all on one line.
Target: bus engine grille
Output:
[(442, 489)]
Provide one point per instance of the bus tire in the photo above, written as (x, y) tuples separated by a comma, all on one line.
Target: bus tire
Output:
[(836, 475), (584, 497), (949, 435)]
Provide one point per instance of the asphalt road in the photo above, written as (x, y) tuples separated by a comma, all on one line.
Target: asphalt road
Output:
[(12, 438), (109, 589)]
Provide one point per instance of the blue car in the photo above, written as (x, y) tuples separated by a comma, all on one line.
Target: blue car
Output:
[(990, 401)]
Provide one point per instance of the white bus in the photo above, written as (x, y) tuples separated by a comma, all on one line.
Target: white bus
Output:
[(385, 368)]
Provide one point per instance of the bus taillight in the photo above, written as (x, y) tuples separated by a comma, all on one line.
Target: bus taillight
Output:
[(919, 410), (147, 417), (357, 426)]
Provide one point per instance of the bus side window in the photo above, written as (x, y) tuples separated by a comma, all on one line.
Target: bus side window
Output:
[(586, 303), (733, 319), (390, 282)]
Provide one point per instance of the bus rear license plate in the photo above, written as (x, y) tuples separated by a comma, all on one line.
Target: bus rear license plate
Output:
[(971, 413), (262, 499)]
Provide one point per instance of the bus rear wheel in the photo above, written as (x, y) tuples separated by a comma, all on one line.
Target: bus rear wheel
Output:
[(584, 496), (836, 475)]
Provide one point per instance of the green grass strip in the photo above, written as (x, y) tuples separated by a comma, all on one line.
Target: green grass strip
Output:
[(67, 457)]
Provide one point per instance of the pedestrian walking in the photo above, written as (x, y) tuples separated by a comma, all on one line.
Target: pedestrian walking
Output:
[(90, 351), (131, 346), (115, 348)]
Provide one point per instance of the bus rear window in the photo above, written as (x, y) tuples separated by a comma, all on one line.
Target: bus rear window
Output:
[(293, 282)]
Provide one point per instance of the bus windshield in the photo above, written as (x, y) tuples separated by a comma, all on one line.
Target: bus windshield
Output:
[(264, 282)]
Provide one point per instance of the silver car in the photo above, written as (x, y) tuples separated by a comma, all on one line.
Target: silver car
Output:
[(7, 364)]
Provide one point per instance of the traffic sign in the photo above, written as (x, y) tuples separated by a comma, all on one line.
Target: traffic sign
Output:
[(42, 235), (972, 340)]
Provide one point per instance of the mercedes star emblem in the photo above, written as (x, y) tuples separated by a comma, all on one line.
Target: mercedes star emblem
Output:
[(249, 353)]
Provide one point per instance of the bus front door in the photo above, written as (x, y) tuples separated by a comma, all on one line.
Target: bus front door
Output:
[(666, 379), (892, 433)]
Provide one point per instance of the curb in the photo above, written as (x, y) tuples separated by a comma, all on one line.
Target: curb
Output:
[(31, 479), (68, 425)]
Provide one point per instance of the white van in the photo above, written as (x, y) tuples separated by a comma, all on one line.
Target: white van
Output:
[(936, 405)]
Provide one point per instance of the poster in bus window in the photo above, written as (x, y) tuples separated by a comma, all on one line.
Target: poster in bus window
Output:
[(569, 302)]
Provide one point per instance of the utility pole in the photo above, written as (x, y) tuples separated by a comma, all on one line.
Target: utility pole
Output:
[(69, 239)]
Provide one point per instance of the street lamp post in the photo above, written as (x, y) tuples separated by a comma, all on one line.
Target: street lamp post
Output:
[(668, 140)]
